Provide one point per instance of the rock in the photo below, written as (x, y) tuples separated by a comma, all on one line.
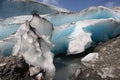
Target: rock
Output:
[(14, 68), (73, 71), (107, 65), (88, 74), (90, 59), (39, 76), (34, 70)]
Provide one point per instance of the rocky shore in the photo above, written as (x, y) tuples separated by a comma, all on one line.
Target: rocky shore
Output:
[(104, 66)]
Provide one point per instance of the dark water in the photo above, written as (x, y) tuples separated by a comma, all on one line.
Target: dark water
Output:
[(66, 66)]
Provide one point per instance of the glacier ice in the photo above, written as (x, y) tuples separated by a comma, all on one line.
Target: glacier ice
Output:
[(9, 8), (35, 49), (66, 39), (43, 26), (80, 35), (30, 43), (7, 30), (69, 29), (39, 38), (99, 12)]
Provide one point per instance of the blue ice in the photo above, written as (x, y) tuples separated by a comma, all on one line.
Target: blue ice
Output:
[(106, 25), (7, 30), (90, 13)]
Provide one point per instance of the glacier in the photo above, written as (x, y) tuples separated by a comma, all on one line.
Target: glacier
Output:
[(99, 12), (51, 31), (77, 37), (9, 8), (68, 29)]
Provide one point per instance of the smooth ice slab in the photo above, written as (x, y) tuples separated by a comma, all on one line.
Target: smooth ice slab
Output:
[(42, 26)]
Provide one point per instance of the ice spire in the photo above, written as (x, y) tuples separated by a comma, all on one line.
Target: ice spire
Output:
[(34, 48)]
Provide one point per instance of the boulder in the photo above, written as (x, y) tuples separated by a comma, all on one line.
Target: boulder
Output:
[(14, 68)]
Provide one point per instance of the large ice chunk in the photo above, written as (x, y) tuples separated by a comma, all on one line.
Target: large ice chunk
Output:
[(34, 46), (71, 39), (74, 38), (35, 50)]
